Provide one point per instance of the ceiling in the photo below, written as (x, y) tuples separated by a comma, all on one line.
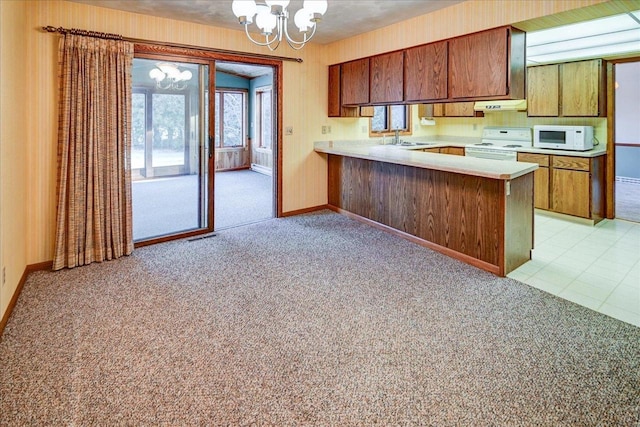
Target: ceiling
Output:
[(340, 21)]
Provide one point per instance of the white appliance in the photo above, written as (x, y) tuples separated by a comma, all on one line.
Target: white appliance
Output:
[(558, 137), (503, 105), (500, 143)]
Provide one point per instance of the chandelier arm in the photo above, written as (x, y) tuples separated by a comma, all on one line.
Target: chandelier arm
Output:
[(301, 44), (267, 43)]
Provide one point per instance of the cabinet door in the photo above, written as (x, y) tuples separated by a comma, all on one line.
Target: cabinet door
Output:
[(355, 82), (540, 178), (459, 109), (430, 110), (334, 103), (478, 64), (425, 70), (387, 78), (541, 188), (570, 193), (581, 88), (456, 151), (542, 91)]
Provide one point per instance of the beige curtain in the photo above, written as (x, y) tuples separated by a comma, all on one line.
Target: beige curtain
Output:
[(94, 220)]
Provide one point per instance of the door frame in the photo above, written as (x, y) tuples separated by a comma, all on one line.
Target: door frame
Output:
[(181, 54), (611, 148)]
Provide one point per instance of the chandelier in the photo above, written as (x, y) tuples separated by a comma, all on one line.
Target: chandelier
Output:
[(272, 20), (169, 76)]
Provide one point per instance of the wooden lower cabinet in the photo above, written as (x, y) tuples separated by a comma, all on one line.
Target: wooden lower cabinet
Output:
[(540, 178), (570, 192), (568, 184), (471, 218), (457, 151)]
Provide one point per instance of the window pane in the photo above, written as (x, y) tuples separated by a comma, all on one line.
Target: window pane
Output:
[(169, 115), (138, 117), (233, 120), (217, 120), (398, 117), (265, 119), (379, 121)]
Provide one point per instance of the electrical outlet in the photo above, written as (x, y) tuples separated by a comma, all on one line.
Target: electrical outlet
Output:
[(324, 130), (288, 130)]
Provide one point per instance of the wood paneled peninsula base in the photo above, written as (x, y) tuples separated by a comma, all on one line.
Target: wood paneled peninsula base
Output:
[(476, 210)]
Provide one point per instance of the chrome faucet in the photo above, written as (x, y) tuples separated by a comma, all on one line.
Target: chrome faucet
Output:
[(396, 138)]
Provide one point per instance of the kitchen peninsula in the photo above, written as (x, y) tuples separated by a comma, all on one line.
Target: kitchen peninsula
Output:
[(476, 210)]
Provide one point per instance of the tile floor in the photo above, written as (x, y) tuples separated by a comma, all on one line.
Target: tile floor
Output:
[(594, 266)]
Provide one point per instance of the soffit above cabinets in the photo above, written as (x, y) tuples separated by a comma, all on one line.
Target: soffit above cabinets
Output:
[(611, 37)]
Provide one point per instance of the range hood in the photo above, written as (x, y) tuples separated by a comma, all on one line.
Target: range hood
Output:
[(503, 105)]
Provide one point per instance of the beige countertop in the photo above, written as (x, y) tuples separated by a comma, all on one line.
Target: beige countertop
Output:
[(496, 169)]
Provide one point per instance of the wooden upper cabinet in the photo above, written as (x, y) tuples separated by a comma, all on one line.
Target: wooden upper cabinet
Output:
[(335, 107), (489, 64), (542, 91), (582, 88), (387, 78), (335, 103), (572, 89), (425, 71), (452, 109), (355, 82)]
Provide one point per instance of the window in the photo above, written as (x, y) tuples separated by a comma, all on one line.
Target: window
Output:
[(264, 131), (231, 118), (387, 118)]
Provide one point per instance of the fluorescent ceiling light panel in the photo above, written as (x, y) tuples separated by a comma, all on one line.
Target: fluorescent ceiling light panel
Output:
[(596, 52), (628, 36), (603, 37)]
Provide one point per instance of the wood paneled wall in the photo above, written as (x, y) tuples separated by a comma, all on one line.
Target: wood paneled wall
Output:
[(232, 158)]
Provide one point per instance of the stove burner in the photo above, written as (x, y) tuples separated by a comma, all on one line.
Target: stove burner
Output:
[(513, 146), (484, 143)]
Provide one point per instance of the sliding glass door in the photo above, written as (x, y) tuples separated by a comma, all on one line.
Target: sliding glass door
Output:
[(170, 155)]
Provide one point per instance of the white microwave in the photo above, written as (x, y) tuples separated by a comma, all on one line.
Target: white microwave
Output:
[(558, 137)]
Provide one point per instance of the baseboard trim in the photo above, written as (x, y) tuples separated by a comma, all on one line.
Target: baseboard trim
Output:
[(261, 169), (422, 242), (304, 211), (47, 265)]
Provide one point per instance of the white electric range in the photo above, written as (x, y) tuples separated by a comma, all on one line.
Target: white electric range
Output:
[(500, 143)]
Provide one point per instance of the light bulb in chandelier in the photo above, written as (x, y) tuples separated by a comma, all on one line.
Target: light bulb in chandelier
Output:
[(272, 20)]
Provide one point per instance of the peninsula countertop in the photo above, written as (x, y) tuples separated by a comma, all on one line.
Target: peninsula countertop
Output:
[(495, 169)]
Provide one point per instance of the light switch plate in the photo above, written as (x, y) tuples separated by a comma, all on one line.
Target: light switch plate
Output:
[(288, 130)]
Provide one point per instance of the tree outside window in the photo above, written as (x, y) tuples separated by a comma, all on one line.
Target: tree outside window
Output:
[(264, 132), (231, 118), (387, 118)]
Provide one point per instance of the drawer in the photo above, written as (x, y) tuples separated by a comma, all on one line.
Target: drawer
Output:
[(569, 162), (540, 159)]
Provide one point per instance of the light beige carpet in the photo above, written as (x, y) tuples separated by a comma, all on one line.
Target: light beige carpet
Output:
[(309, 320)]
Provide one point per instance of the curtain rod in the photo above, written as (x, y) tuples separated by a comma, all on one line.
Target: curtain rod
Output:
[(110, 36)]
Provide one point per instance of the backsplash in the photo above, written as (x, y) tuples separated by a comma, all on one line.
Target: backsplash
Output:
[(464, 126), (358, 129)]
